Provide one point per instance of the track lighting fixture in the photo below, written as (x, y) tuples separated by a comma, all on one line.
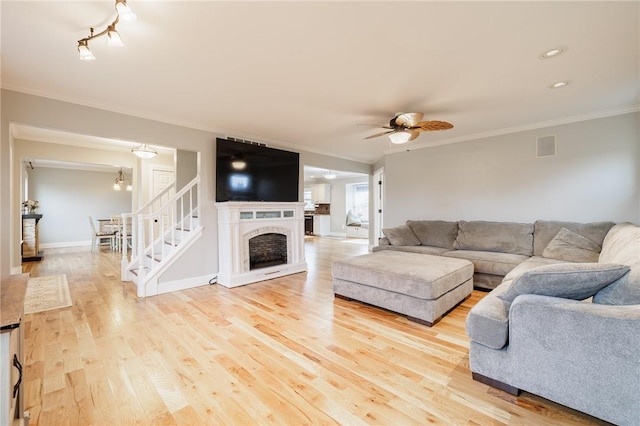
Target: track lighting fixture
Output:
[(123, 12)]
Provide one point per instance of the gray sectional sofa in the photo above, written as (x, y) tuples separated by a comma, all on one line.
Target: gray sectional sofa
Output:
[(564, 322), (494, 248)]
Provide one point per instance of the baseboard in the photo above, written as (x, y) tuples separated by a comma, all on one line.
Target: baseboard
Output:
[(65, 244), (338, 234), (185, 283)]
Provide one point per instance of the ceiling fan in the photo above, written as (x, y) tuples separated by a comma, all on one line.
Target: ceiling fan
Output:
[(405, 127)]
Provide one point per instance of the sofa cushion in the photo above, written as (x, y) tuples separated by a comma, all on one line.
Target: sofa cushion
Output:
[(488, 262), (622, 245), (530, 263), (546, 230), (488, 321), (504, 237), (401, 236), (435, 233), (568, 280), (413, 249), (572, 247)]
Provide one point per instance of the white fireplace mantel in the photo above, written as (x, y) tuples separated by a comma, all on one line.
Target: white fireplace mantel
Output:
[(239, 221)]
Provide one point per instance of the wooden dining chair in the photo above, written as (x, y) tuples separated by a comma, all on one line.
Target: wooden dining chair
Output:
[(98, 237)]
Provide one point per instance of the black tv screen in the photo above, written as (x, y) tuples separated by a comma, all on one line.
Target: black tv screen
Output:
[(249, 172)]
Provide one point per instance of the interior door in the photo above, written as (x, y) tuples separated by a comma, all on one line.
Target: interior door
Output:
[(378, 202), (161, 179)]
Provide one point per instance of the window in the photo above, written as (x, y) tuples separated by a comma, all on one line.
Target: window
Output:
[(358, 199)]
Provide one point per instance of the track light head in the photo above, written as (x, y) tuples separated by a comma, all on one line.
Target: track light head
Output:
[(85, 53)]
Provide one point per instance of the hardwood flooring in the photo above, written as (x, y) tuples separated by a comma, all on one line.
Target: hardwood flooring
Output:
[(281, 352)]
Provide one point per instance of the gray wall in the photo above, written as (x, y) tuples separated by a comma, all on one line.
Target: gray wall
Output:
[(68, 197), (202, 258), (595, 176)]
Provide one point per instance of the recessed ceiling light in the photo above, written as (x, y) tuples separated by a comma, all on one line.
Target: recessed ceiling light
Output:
[(552, 53), (558, 85)]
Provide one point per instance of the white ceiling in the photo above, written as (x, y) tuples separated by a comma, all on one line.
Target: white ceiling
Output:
[(305, 74)]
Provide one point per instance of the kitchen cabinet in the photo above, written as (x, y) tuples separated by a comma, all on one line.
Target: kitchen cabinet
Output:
[(321, 224), (357, 232), (321, 193), (12, 292)]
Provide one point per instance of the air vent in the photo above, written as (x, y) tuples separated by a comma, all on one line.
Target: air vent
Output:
[(546, 146)]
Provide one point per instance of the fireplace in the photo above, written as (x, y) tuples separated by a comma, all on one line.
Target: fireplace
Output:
[(267, 250), (259, 241)]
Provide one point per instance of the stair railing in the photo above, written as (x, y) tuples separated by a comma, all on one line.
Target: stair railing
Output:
[(157, 229)]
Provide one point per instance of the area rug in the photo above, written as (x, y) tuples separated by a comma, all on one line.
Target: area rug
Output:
[(47, 293)]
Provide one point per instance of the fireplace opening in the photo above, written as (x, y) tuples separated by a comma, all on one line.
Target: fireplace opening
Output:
[(267, 250)]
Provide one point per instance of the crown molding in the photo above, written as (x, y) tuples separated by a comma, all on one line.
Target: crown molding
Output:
[(518, 129)]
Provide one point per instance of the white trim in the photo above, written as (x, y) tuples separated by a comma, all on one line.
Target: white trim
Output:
[(66, 244), (183, 284), (16, 270)]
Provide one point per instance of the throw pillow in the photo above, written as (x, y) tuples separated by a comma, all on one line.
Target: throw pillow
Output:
[(353, 219), (576, 281), (572, 247), (401, 236)]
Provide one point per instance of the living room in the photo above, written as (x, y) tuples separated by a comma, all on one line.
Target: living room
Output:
[(485, 168)]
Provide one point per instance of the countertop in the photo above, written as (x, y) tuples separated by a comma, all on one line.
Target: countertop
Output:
[(12, 292)]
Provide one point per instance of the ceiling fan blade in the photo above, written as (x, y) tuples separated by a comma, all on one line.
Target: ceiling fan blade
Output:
[(409, 119), (377, 126), (379, 134), (414, 134), (430, 126)]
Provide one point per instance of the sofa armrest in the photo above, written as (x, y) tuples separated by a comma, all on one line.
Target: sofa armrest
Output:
[(579, 354)]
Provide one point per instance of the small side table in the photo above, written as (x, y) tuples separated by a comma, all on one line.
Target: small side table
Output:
[(30, 240)]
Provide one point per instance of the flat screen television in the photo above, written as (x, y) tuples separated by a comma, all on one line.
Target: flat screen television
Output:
[(250, 172)]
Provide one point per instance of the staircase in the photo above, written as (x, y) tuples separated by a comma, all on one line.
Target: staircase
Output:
[(160, 232)]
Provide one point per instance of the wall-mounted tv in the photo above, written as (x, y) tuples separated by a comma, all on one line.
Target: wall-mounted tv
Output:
[(251, 172)]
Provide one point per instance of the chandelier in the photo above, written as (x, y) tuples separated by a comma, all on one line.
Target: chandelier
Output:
[(124, 12), (117, 186)]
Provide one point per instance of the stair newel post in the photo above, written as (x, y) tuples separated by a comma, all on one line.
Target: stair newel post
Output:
[(140, 254), (123, 245)]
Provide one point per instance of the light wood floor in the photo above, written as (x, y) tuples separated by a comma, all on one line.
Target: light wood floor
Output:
[(279, 352)]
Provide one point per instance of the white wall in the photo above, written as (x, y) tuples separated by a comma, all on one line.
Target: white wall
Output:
[(68, 197), (339, 203), (595, 176)]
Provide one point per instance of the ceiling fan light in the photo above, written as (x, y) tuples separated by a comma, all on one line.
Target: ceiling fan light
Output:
[(144, 151), (85, 53), (124, 11), (113, 37), (400, 137)]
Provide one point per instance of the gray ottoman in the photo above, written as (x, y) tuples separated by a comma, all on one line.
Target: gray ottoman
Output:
[(420, 286)]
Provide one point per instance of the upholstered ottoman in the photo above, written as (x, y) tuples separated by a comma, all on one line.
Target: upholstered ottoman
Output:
[(420, 286)]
